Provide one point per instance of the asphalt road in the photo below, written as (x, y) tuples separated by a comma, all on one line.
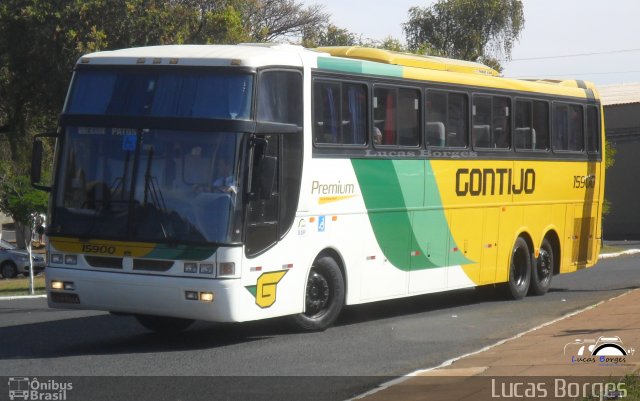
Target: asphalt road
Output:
[(264, 360)]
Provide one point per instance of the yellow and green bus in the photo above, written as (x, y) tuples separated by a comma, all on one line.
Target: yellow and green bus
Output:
[(236, 183)]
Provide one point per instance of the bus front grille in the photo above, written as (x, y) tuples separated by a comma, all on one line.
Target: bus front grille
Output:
[(152, 265), (104, 262)]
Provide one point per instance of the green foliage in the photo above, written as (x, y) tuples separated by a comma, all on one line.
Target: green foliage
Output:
[(391, 43), (609, 161), (466, 29), (18, 199), (40, 41), (329, 35), (609, 154)]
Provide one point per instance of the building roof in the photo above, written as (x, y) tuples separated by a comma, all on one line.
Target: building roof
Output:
[(619, 94)]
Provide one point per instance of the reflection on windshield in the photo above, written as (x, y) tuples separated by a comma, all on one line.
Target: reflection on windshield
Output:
[(148, 185), (154, 92)]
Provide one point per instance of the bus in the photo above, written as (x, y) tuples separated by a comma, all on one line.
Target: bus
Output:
[(237, 183)]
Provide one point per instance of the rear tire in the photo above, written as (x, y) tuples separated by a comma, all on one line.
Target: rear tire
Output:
[(519, 270), (324, 296), (542, 270), (8, 270), (164, 325)]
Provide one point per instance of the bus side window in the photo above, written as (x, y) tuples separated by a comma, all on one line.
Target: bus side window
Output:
[(560, 127), (280, 97), (354, 114), (326, 128), (576, 128), (262, 211), (446, 119), (593, 132), (525, 135), (481, 133), (340, 113), (384, 115), (501, 138), (491, 122), (540, 125), (457, 121), (568, 125), (436, 118), (408, 117)]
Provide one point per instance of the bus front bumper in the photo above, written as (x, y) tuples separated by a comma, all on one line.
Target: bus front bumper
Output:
[(146, 294)]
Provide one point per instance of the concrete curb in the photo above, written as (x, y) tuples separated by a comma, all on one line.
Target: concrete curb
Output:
[(616, 254)]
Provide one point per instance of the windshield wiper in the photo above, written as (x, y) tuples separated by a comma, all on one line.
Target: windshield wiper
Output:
[(152, 191)]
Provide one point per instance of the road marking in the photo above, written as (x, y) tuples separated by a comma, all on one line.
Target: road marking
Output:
[(446, 363), (616, 254), (13, 298)]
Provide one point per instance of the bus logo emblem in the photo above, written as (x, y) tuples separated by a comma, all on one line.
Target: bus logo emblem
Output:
[(265, 290)]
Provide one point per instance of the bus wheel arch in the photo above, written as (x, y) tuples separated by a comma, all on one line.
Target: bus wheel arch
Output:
[(325, 293), (520, 266)]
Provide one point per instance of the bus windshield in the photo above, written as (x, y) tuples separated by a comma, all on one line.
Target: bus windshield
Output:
[(161, 93), (148, 185)]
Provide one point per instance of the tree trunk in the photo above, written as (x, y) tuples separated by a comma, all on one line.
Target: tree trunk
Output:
[(23, 235)]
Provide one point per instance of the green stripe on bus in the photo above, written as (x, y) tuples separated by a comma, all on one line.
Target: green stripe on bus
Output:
[(359, 67), (412, 236), (181, 252)]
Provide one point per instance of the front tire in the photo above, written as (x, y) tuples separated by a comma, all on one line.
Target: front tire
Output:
[(164, 325), (8, 270), (542, 271), (324, 296), (519, 270)]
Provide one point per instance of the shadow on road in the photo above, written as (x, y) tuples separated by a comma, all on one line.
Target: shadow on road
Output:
[(114, 335)]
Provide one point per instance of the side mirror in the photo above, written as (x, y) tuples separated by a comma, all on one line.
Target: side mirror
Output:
[(36, 160)]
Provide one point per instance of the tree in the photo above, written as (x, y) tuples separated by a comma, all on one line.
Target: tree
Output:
[(19, 200), (269, 20), (391, 43), (254, 20), (40, 41), (329, 35), (466, 29)]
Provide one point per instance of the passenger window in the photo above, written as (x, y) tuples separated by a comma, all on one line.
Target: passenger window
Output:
[(396, 117), (340, 113), (446, 119), (491, 122), (593, 131), (568, 131), (276, 104), (532, 125), (409, 117), (384, 117)]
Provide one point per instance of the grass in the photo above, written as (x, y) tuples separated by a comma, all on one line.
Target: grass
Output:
[(20, 286)]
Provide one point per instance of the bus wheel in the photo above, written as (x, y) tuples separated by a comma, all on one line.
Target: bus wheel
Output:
[(324, 296), (164, 325), (519, 270), (542, 271)]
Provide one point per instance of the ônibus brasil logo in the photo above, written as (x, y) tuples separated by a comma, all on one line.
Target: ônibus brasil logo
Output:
[(24, 388)]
